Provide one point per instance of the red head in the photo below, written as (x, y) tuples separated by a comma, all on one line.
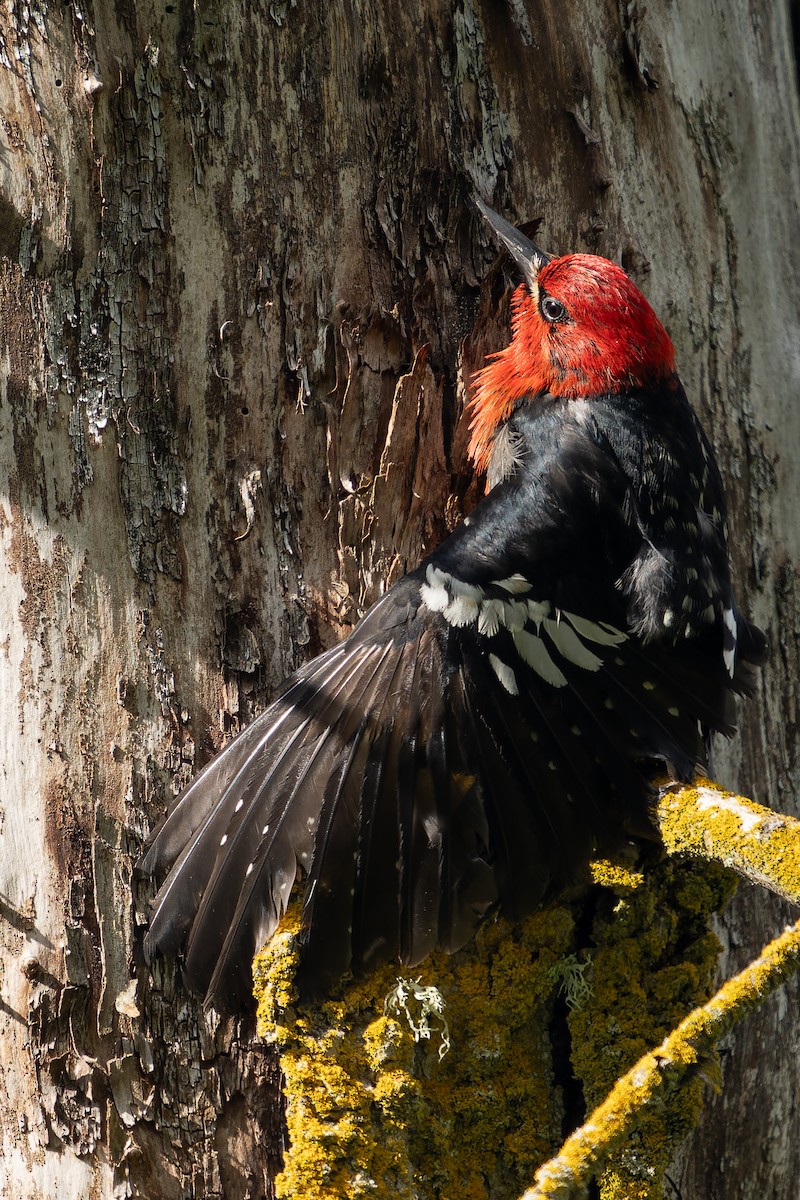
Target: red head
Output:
[(579, 327)]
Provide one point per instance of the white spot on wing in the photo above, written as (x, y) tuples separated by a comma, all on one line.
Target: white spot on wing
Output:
[(515, 584), (514, 614), (434, 593), (469, 591), (538, 610), (567, 642), (435, 599), (729, 651), (489, 617), (462, 610), (504, 674), (533, 651), (456, 600), (597, 631)]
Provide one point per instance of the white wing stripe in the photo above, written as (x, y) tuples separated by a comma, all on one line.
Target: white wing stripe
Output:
[(462, 604)]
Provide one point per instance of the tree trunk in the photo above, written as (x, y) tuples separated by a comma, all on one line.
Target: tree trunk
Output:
[(237, 288)]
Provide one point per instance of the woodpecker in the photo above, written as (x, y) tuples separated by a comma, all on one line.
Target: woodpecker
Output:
[(497, 715)]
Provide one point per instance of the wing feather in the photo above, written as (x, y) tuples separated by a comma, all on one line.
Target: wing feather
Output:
[(488, 722)]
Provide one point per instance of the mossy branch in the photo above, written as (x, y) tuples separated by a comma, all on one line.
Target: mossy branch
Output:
[(658, 1075), (370, 1112), (707, 822)]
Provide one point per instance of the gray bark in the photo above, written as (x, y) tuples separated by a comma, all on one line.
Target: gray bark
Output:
[(227, 233)]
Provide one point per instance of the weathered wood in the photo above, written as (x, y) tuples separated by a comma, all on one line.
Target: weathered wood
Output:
[(228, 233)]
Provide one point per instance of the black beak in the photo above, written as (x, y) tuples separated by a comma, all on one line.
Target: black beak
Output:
[(528, 257)]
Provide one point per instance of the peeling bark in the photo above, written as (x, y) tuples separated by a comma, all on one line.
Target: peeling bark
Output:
[(240, 295)]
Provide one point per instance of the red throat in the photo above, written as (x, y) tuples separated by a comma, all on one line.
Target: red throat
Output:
[(610, 341)]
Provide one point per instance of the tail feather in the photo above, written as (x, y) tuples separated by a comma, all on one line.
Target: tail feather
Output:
[(421, 808), (519, 857), (376, 899), (330, 933), (221, 778), (248, 889), (469, 883)]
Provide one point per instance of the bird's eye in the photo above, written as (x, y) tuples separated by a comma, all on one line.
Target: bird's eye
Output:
[(552, 309)]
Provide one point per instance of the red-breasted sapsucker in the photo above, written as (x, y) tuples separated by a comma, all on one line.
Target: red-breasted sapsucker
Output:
[(497, 715)]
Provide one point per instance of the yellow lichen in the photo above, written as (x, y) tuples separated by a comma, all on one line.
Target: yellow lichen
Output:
[(371, 1111), (708, 822), (654, 960), (615, 874), (653, 1083)]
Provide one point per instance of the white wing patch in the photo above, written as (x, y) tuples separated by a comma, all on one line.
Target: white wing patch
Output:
[(489, 617), (435, 593), (462, 610), (541, 634)]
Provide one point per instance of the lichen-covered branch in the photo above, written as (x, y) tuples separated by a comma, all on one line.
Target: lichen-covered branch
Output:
[(658, 1075), (705, 821), (365, 1111)]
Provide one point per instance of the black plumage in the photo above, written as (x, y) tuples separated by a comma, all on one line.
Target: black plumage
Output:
[(489, 722)]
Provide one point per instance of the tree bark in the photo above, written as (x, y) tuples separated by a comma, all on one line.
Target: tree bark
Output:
[(241, 294)]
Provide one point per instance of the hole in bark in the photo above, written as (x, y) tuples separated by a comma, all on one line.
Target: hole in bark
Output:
[(245, 410)]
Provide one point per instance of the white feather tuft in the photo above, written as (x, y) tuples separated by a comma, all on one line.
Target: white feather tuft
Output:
[(462, 610)]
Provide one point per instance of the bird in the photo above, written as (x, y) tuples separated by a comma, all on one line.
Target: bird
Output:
[(500, 713)]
